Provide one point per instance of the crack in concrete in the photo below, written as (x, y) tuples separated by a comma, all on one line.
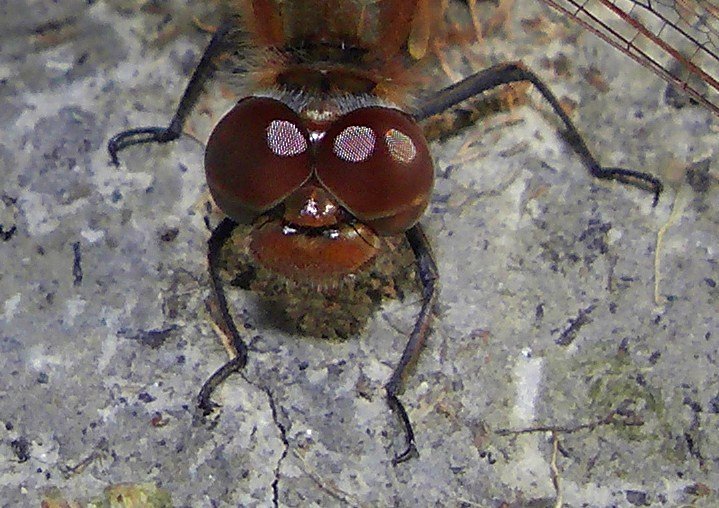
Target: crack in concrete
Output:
[(283, 436)]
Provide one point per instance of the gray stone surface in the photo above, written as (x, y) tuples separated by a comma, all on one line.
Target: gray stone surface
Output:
[(525, 240)]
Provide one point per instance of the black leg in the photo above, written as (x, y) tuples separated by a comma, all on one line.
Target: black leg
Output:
[(214, 247), (203, 72), (428, 275), (514, 72)]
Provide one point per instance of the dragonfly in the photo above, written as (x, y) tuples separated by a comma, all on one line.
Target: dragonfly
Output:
[(676, 39), (324, 154)]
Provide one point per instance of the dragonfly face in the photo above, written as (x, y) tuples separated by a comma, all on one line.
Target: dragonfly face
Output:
[(319, 156), (322, 183)]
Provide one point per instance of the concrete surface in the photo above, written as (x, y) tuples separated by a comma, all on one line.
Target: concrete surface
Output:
[(104, 337)]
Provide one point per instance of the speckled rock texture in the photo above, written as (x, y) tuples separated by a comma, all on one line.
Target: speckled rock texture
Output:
[(552, 373)]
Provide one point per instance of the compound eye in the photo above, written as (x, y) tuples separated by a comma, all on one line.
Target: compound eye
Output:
[(376, 162), (256, 156)]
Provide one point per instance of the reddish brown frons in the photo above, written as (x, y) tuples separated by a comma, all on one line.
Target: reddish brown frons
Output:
[(323, 257)]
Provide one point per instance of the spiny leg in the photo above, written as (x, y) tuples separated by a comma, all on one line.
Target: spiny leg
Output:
[(214, 248), (203, 72), (515, 72), (428, 276)]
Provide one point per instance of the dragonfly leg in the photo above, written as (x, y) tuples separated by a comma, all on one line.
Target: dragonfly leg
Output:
[(428, 274), (219, 236), (515, 72), (203, 72)]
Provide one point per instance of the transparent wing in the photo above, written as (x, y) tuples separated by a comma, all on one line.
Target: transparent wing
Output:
[(677, 39)]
